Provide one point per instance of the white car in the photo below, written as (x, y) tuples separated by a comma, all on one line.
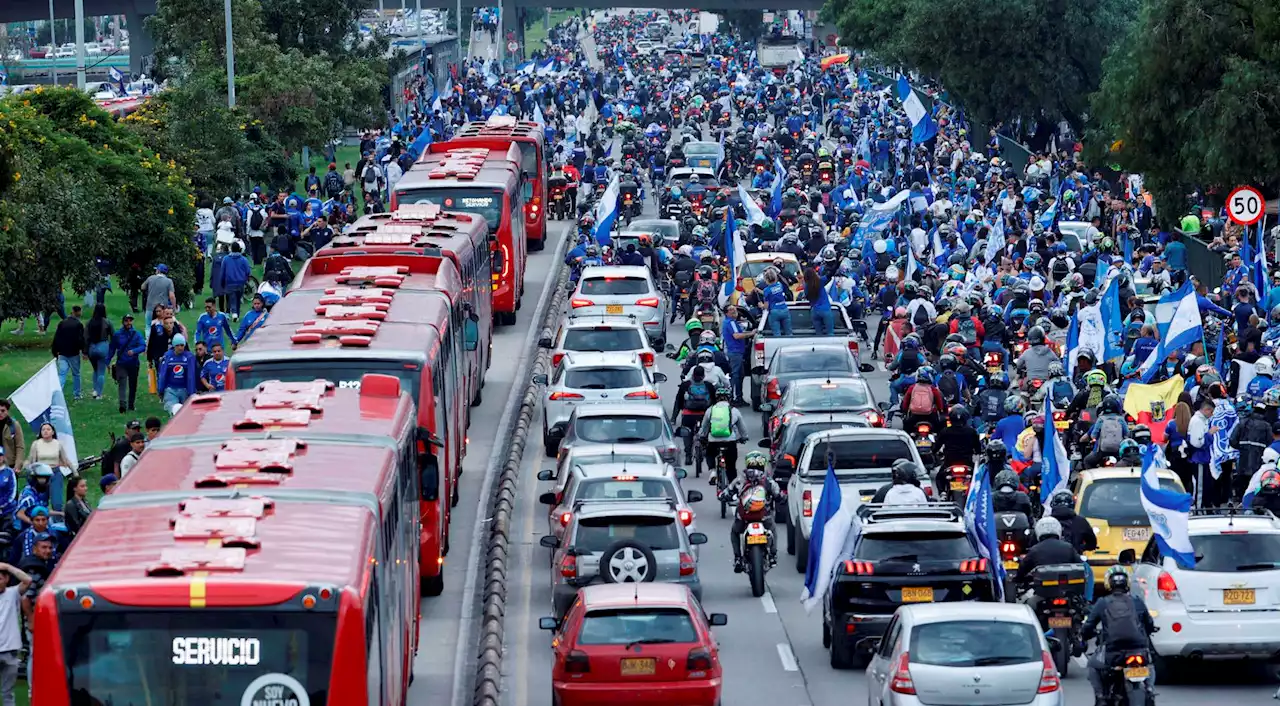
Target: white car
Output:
[(617, 482), (623, 290), (863, 462), (1228, 605), (601, 334), (593, 378)]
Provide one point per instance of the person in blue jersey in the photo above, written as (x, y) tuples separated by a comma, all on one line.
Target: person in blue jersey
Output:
[(177, 373), (213, 324), (213, 374), (775, 300)]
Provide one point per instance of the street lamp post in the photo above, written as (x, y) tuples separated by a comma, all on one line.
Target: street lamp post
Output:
[(53, 44), (231, 57)]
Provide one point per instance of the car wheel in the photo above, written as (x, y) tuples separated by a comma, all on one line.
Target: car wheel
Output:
[(826, 635), (478, 399), (1165, 668), (791, 539), (802, 552), (842, 654), (537, 245)]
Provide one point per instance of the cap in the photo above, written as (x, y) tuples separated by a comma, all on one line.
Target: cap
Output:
[(227, 199), (127, 317), (162, 268), (39, 511), (333, 165), (134, 424), (179, 340), (108, 480), (43, 537), (136, 436)]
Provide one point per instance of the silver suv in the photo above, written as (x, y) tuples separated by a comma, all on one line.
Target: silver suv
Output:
[(629, 541)]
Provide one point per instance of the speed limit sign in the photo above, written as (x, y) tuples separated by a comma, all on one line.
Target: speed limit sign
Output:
[(1245, 206)]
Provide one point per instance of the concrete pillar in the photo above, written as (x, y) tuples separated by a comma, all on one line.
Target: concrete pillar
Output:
[(509, 22), (141, 45)]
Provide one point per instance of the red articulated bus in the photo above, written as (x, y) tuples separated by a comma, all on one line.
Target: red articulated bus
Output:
[(261, 553), (487, 183), (414, 232), (501, 131), (386, 320)]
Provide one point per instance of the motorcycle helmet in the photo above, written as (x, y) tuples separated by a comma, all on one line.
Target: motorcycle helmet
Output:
[(1056, 370), (1269, 480), (1118, 579), (1095, 378), (957, 415), (1062, 498), (881, 247), (691, 326), (705, 356), (1110, 404), (723, 393), (1129, 446), (926, 374), (705, 272), (593, 251), (1088, 356), (948, 362), (956, 349), (707, 338), (1035, 336), (1013, 404), (1265, 365), (996, 454), (757, 459), (999, 381), (1048, 527), (1271, 397), (905, 472), (1006, 482)]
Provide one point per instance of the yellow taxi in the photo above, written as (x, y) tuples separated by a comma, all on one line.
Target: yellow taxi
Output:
[(1110, 500), (757, 263)]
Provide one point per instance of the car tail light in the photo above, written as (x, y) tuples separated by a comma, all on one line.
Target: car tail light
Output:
[(555, 359), (687, 565), (1167, 587), (959, 472), (859, 568), (973, 566), (1008, 549), (686, 518), (649, 301), (579, 303), (807, 503), (1059, 601), (699, 660), (642, 395), (647, 358), (577, 662), (1059, 416), (874, 419), (853, 348), (759, 353), (569, 567), (774, 392), (564, 518), (790, 458), (928, 491), (901, 683), (1049, 682), (787, 418), (565, 396)]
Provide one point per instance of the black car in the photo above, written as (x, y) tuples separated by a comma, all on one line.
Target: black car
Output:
[(904, 554)]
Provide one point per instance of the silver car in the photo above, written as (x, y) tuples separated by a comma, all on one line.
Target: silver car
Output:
[(970, 653), (625, 423), (629, 541), (623, 290), (592, 378), (620, 482), (599, 334)]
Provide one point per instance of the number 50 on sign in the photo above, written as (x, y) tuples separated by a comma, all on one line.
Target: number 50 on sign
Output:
[(1245, 206)]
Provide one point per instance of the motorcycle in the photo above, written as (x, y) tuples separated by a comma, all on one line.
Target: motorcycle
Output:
[(954, 482), (923, 435), (826, 178), (756, 541), (993, 361), (559, 203), (630, 205), (1124, 679), (1013, 531), (1061, 608)]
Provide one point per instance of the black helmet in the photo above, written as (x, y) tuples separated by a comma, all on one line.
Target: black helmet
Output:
[(705, 271), (1062, 498), (997, 453), (1006, 482), (1118, 579), (948, 362), (1110, 404), (1035, 336), (904, 473), (957, 415)]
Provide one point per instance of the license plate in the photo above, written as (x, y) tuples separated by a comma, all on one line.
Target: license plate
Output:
[(1238, 596), (1059, 621), (638, 667), (1136, 673), (924, 444), (1137, 534), (917, 594), (959, 485), (1010, 563), (613, 309), (1061, 425), (757, 539)]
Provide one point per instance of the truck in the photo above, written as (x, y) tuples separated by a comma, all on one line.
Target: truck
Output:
[(776, 56), (853, 333)]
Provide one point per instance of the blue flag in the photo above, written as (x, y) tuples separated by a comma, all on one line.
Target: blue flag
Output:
[(833, 521), (980, 522), (1168, 510)]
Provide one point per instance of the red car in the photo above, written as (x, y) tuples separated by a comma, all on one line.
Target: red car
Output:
[(635, 644)]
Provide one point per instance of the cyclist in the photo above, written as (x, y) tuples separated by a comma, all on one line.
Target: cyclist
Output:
[(721, 431)]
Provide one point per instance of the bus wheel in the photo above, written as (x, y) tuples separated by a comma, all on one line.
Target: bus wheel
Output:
[(432, 585), (537, 245), (478, 399)]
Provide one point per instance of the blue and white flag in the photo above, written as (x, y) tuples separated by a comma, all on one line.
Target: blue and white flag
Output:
[(41, 401), (755, 214), (607, 213), (735, 252), (919, 202), (1184, 328), (864, 143), (546, 67), (1224, 420), (1049, 216), (979, 514), (1056, 466), (1092, 329), (537, 114), (1073, 346), (775, 202), (1259, 263), (996, 240), (923, 128), (1168, 510), (1112, 321), (912, 267), (833, 524)]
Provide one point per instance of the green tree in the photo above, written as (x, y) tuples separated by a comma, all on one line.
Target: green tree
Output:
[(313, 26), (1000, 59), (1193, 98)]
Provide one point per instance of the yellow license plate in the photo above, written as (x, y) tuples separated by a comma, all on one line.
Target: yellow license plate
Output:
[(1136, 672), (1059, 622), (638, 667), (1238, 596), (959, 485), (1010, 563), (1061, 425), (613, 309), (924, 444), (917, 594), (757, 539)]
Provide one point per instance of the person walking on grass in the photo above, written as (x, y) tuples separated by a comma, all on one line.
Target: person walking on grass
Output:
[(127, 348), (176, 374), (14, 583), (158, 290), (67, 348), (98, 335)]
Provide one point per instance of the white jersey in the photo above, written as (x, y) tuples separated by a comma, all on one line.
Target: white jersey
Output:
[(905, 494), (715, 375)]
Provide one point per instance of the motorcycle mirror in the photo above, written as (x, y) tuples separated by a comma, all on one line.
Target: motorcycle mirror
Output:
[(539, 379), (697, 538), (669, 348), (681, 474), (659, 377), (764, 444), (884, 406), (1128, 557)]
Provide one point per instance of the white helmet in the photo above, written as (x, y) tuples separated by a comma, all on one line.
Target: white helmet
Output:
[(1048, 527), (686, 250), (881, 246), (891, 273), (1037, 284), (1265, 365)]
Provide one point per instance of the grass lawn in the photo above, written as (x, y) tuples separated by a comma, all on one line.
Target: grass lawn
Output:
[(344, 154), (20, 691), (93, 420)]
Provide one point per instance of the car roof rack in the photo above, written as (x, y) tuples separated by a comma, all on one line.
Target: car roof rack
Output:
[(872, 513), (666, 502), (1232, 511), (585, 318)]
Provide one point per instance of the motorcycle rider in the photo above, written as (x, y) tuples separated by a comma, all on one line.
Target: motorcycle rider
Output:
[(1251, 435), (922, 402), (693, 399), (1075, 529), (694, 328), (1108, 432), (957, 444), (904, 486), (1008, 497), (721, 431), (1092, 391), (1049, 549), (1034, 363), (1122, 622), (1057, 387), (705, 358), (745, 493)]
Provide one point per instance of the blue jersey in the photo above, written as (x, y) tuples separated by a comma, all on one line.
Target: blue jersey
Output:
[(214, 372), (1259, 385)]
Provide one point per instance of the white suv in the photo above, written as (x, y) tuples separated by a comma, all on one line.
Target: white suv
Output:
[(1228, 605), (593, 378), (599, 334), (621, 290)]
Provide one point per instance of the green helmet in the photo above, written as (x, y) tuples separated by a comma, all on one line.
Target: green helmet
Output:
[(692, 325), (757, 459), (1095, 378), (767, 225)]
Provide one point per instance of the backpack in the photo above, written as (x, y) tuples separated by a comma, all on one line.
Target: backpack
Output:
[(1060, 268), (921, 399), (949, 386), (721, 426), (992, 404), (921, 317), (1121, 625), (969, 330), (698, 397), (1110, 434), (257, 218), (753, 501), (705, 291), (333, 183), (370, 174)]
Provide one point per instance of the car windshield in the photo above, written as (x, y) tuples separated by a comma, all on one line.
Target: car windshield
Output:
[(855, 454), (619, 429), (802, 433), (755, 269), (845, 395), (816, 360), (1118, 501), (603, 378), (1236, 552), (605, 339), (614, 286), (623, 626), (974, 643), (914, 546), (630, 488), (482, 202), (596, 534)]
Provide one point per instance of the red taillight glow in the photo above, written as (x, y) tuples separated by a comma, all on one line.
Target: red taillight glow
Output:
[(647, 358), (578, 303), (759, 352), (859, 568), (569, 567), (775, 392), (687, 565), (853, 347), (1049, 682), (973, 566), (565, 396), (901, 683), (556, 358), (806, 501), (564, 518), (686, 518), (699, 660), (649, 302), (642, 395), (1167, 587), (1008, 549), (875, 419), (924, 429)]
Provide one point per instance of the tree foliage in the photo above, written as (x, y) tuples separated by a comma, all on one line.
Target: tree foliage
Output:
[(1193, 98), (1000, 59), (75, 185)]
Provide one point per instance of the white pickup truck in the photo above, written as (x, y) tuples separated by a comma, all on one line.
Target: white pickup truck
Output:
[(863, 463), (802, 334)]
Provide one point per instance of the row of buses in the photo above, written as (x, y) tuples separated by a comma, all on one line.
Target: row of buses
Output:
[(272, 544)]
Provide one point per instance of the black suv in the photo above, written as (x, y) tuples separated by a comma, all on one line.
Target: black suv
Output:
[(904, 554)]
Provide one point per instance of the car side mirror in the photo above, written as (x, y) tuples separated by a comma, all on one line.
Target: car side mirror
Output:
[(866, 367), (683, 432), (659, 377), (539, 379), (697, 538), (1128, 557), (764, 444), (546, 475), (547, 498), (718, 620), (884, 406), (766, 407), (694, 496), (544, 342), (548, 624), (549, 542), (681, 474)]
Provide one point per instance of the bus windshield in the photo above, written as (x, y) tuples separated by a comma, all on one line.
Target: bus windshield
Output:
[(480, 201), (346, 373), (210, 657)]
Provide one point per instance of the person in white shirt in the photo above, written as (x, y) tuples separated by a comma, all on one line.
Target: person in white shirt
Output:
[(137, 444), (11, 629), (1198, 433)]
